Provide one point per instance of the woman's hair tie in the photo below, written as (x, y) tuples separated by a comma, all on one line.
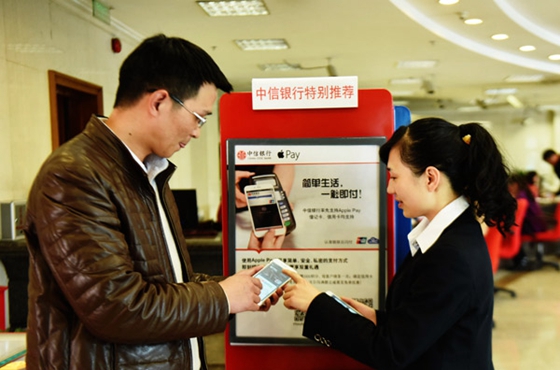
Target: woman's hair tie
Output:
[(467, 139)]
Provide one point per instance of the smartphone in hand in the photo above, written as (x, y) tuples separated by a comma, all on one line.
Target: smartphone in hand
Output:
[(272, 278), (346, 305)]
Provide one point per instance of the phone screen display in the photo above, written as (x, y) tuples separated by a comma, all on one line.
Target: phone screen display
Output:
[(264, 209), (272, 278)]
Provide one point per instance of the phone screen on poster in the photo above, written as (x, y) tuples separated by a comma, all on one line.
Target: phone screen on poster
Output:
[(262, 204)]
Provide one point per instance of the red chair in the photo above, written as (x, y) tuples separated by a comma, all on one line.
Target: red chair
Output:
[(537, 241), (512, 243), (494, 241)]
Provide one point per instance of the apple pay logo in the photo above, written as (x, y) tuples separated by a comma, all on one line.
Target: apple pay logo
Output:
[(288, 154)]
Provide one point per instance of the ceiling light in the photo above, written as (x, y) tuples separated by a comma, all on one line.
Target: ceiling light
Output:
[(473, 21), (514, 101), (280, 67), (470, 108), (262, 44), (416, 64), (401, 93), (233, 8), (400, 102), (527, 48), (448, 2), (554, 57), (525, 78), (500, 37), (406, 81), (507, 91)]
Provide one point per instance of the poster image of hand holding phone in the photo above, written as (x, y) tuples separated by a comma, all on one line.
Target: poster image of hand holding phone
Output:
[(265, 215)]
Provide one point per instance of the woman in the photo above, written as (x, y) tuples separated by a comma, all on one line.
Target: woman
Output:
[(534, 220), (439, 306)]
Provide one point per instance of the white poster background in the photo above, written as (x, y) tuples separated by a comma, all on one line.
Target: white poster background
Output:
[(335, 245)]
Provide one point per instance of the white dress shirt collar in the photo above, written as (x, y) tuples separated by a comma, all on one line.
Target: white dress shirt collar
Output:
[(425, 234)]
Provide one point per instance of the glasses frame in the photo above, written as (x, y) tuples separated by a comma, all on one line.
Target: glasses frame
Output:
[(201, 120)]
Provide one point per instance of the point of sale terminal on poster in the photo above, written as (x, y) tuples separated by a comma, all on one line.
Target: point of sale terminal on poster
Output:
[(324, 200)]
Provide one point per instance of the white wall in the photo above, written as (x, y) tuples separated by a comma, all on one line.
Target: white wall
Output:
[(523, 144), (6, 172), (38, 35), (521, 134)]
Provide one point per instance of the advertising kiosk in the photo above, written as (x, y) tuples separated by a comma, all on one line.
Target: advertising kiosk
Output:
[(300, 157)]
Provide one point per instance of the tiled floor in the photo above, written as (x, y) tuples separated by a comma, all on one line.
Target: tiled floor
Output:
[(527, 332)]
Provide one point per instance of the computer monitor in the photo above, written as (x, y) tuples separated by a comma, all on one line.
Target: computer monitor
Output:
[(188, 208)]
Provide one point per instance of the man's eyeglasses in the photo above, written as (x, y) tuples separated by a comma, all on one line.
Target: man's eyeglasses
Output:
[(201, 120)]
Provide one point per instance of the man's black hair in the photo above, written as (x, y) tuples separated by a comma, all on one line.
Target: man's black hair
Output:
[(169, 63), (547, 154)]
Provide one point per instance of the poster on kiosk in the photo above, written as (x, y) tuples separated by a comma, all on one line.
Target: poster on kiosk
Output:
[(301, 162)]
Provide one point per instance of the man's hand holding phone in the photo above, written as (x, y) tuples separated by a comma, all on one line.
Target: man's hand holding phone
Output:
[(242, 291)]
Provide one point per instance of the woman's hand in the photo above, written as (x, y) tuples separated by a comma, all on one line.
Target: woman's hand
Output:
[(366, 311), (298, 296)]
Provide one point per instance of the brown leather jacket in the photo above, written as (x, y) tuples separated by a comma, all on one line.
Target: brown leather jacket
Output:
[(101, 286)]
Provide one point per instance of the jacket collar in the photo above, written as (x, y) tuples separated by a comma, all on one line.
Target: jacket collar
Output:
[(110, 143)]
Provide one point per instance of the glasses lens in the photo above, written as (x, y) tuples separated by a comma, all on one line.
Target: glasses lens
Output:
[(201, 121)]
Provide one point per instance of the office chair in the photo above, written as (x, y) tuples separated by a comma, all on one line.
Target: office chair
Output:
[(537, 240), (494, 241), (512, 243)]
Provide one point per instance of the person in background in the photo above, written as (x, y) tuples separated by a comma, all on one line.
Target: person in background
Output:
[(438, 312), (111, 283), (533, 182), (550, 156), (535, 219)]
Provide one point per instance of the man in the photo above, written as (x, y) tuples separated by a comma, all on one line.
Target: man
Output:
[(111, 283), (551, 157)]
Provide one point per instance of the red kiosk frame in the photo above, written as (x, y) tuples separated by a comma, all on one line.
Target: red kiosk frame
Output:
[(374, 117)]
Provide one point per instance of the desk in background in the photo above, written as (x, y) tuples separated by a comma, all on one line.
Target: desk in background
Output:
[(206, 253), (15, 257)]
